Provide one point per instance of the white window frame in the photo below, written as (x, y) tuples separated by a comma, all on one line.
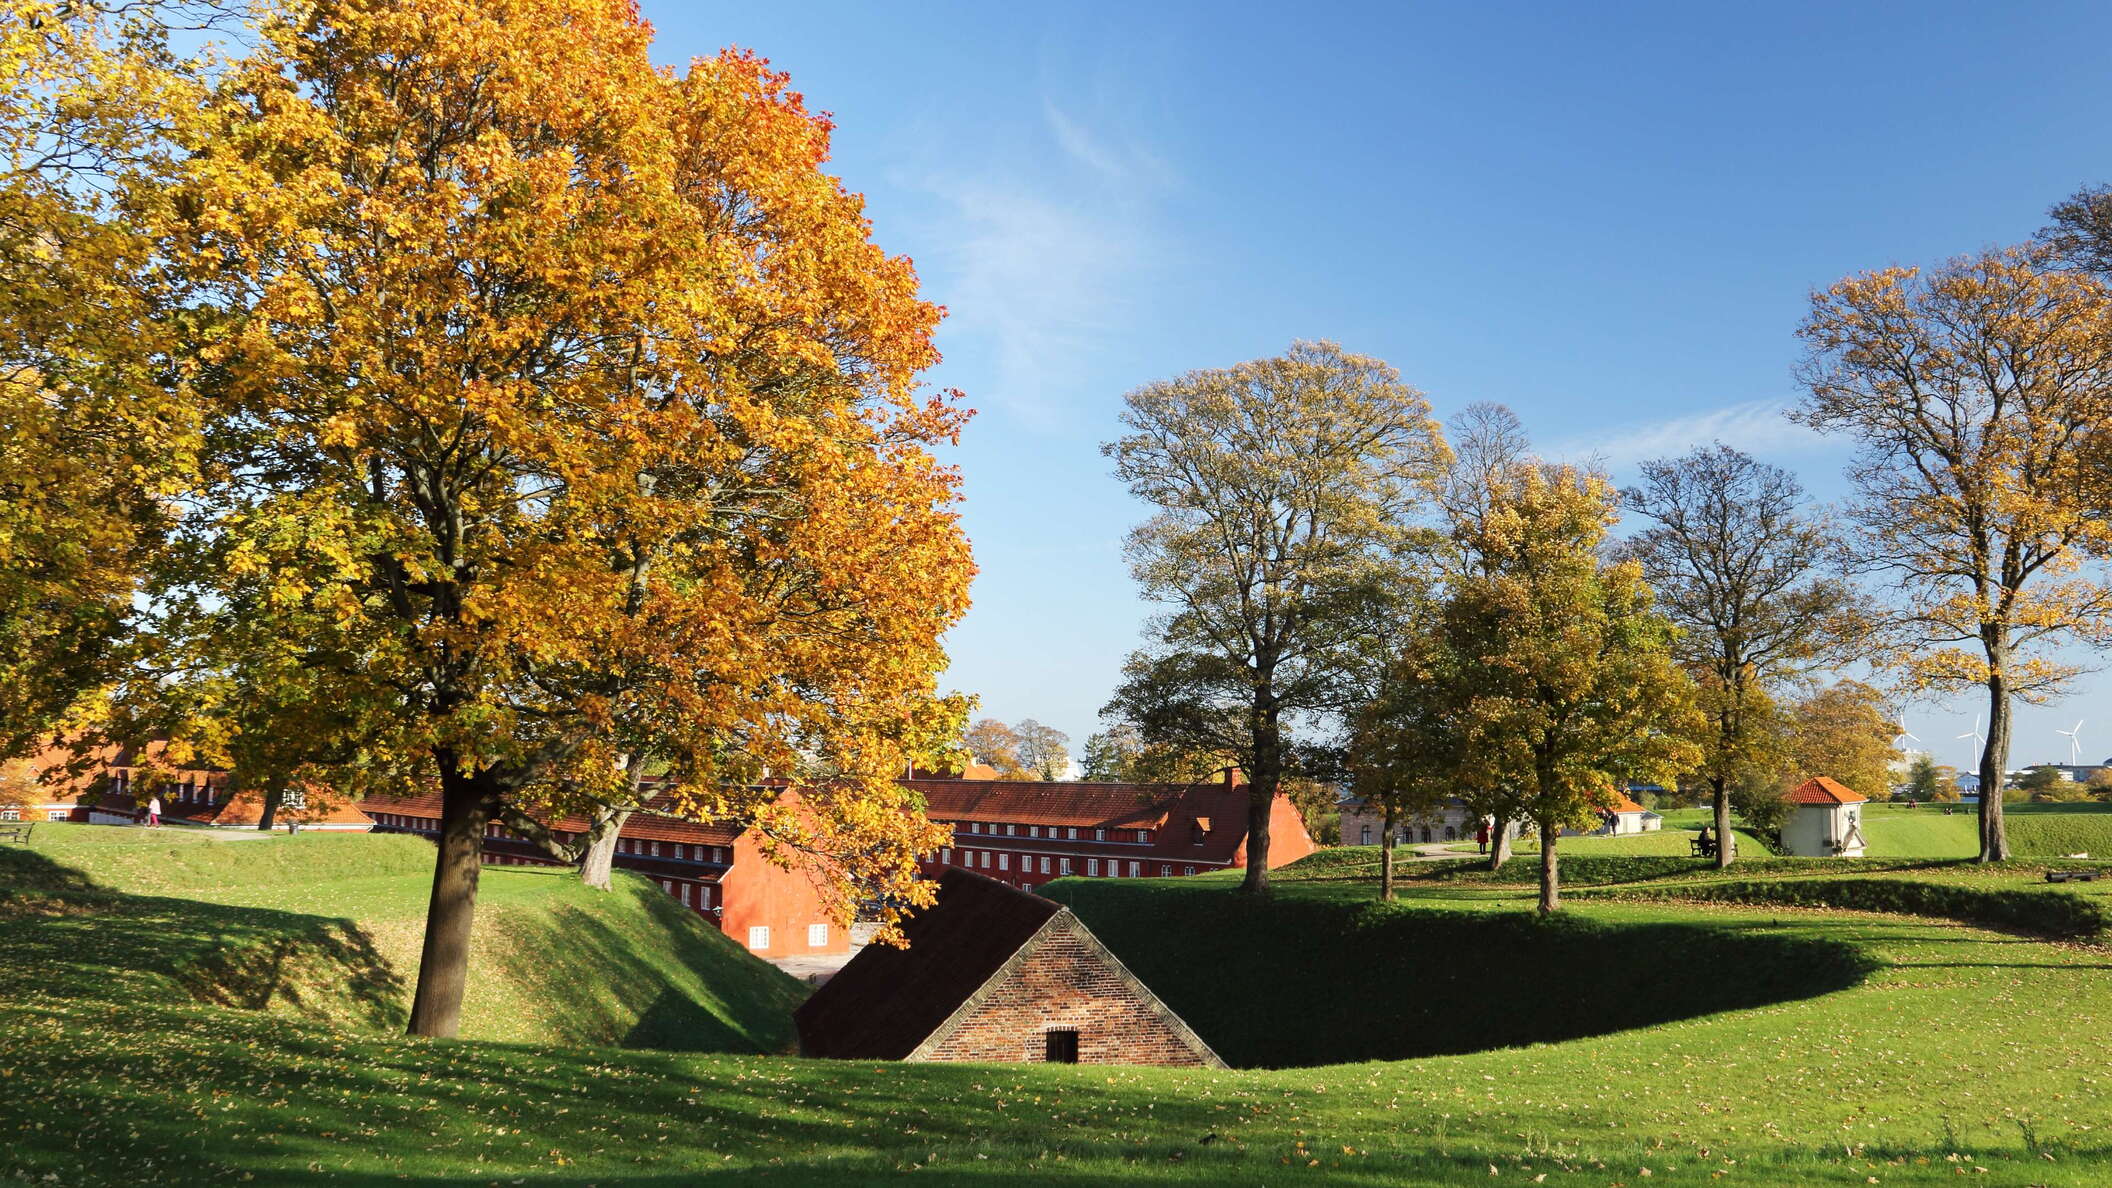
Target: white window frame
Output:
[(1136, 869), (1004, 862), (1065, 865), (758, 938), (1092, 867), (817, 936)]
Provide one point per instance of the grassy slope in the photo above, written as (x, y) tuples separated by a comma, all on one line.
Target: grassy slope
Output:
[(1842, 1088), (328, 927)]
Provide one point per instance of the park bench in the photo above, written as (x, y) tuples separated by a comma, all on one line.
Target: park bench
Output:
[(2071, 876), (19, 832), (1700, 849)]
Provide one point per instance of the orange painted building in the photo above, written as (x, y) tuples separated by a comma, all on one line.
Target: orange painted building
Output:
[(713, 869)]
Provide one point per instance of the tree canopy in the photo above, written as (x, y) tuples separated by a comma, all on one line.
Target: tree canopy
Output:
[(570, 403), (1287, 492)]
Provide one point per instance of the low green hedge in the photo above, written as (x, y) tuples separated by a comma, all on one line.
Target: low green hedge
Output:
[(2050, 913)]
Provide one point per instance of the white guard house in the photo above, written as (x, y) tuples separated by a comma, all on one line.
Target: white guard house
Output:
[(1825, 820)]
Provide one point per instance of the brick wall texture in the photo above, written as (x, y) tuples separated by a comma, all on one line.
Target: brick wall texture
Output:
[(1064, 985)]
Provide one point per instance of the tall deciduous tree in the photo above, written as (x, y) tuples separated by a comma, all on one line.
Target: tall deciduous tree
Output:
[(1044, 750), (1844, 731), (1978, 394), (572, 398), (1405, 750), (995, 744), (1489, 443), (1561, 674), (1286, 489), (1734, 562), (95, 435)]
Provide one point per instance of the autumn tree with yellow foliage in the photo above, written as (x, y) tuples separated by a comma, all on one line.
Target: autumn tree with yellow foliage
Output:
[(96, 434), (1555, 676), (1978, 393), (571, 405)]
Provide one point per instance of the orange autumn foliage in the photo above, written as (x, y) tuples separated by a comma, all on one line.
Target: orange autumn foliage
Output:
[(567, 411)]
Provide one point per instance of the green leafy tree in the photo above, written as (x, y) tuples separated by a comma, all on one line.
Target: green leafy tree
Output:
[(1285, 491), (1735, 562), (1565, 673)]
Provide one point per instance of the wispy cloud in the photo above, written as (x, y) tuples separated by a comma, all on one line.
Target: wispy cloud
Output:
[(1121, 160), (1759, 427), (1041, 254), (1035, 279)]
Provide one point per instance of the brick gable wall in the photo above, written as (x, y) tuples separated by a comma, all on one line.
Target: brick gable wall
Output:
[(1062, 982)]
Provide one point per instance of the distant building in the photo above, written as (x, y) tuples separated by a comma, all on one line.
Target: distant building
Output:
[(1825, 820), (115, 785), (1364, 824), (996, 974), (713, 869), (1024, 833)]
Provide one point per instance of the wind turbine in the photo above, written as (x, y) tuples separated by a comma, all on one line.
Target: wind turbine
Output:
[(2075, 745), (1975, 734), (1904, 733)]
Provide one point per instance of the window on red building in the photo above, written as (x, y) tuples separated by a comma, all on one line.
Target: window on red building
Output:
[(1060, 1047)]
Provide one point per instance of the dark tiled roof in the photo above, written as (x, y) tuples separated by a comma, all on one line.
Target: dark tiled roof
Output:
[(655, 823), (888, 1000)]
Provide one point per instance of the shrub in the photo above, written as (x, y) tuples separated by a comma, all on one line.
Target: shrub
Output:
[(2051, 913)]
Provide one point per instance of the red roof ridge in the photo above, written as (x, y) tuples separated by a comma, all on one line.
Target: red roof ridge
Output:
[(1823, 790)]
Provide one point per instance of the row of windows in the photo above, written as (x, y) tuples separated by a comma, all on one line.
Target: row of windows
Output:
[(681, 851), (984, 860), (1052, 832), (14, 813), (759, 937)]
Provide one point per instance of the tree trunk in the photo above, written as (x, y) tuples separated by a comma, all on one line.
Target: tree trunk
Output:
[(1994, 760), (1723, 822), (1261, 799), (1550, 875), (272, 797), (600, 855), (467, 804), (1386, 855), (1499, 843)]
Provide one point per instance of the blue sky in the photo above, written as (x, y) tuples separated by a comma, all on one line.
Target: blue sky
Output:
[(1608, 217)]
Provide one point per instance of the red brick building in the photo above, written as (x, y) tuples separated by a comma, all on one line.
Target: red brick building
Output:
[(1025, 832), (993, 973), (715, 870)]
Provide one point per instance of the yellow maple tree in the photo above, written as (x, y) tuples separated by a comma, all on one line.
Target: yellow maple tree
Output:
[(569, 401)]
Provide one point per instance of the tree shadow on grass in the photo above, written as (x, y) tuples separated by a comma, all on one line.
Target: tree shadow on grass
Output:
[(1396, 982), (63, 936), (683, 986)]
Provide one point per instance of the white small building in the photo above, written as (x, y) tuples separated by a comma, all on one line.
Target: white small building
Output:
[(1825, 820)]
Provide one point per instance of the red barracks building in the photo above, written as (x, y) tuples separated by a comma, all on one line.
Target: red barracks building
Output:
[(717, 871), (1025, 832)]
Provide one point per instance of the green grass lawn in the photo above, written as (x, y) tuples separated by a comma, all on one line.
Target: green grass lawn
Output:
[(327, 927), (1668, 840), (1655, 1042)]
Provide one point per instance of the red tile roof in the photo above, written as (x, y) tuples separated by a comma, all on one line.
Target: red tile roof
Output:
[(1821, 790), (247, 808), (1621, 804), (655, 823), (1059, 802)]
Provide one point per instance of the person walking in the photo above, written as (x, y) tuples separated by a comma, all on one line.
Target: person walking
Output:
[(153, 812), (1481, 839)]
